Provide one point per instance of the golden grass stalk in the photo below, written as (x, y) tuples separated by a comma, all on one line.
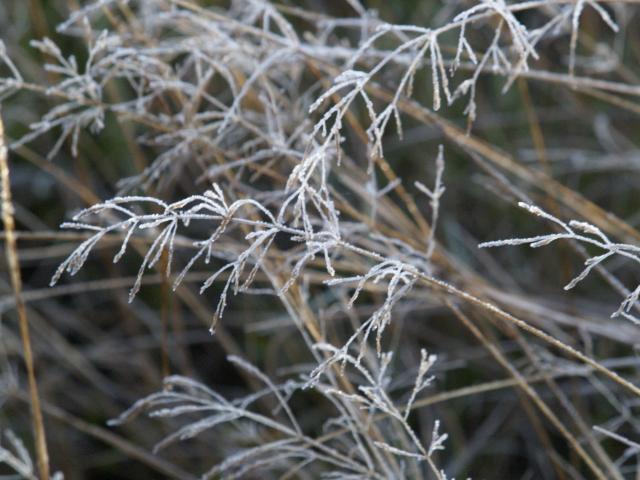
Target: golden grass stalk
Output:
[(16, 282)]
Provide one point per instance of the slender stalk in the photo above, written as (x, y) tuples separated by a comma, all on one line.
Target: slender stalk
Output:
[(16, 282), (164, 315), (495, 351)]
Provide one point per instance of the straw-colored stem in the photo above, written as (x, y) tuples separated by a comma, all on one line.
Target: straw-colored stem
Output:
[(16, 282)]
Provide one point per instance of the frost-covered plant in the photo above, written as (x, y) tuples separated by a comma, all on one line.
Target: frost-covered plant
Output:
[(352, 445), (16, 456), (587, 234), (265, 164)]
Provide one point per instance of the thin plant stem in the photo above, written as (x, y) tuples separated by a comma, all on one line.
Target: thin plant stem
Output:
[(13, 263)]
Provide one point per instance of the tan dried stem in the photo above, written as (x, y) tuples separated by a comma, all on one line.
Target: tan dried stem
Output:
[(16, 282)]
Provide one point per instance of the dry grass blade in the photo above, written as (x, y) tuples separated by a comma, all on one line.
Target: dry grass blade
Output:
[(13, 262)]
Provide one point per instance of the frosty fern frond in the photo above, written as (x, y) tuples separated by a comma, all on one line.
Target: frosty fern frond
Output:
[(588, 234), (16, 456), (345, 446), (208, 207)]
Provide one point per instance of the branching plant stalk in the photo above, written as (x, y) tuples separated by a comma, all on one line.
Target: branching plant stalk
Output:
[(442, 286), (13, 263)]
